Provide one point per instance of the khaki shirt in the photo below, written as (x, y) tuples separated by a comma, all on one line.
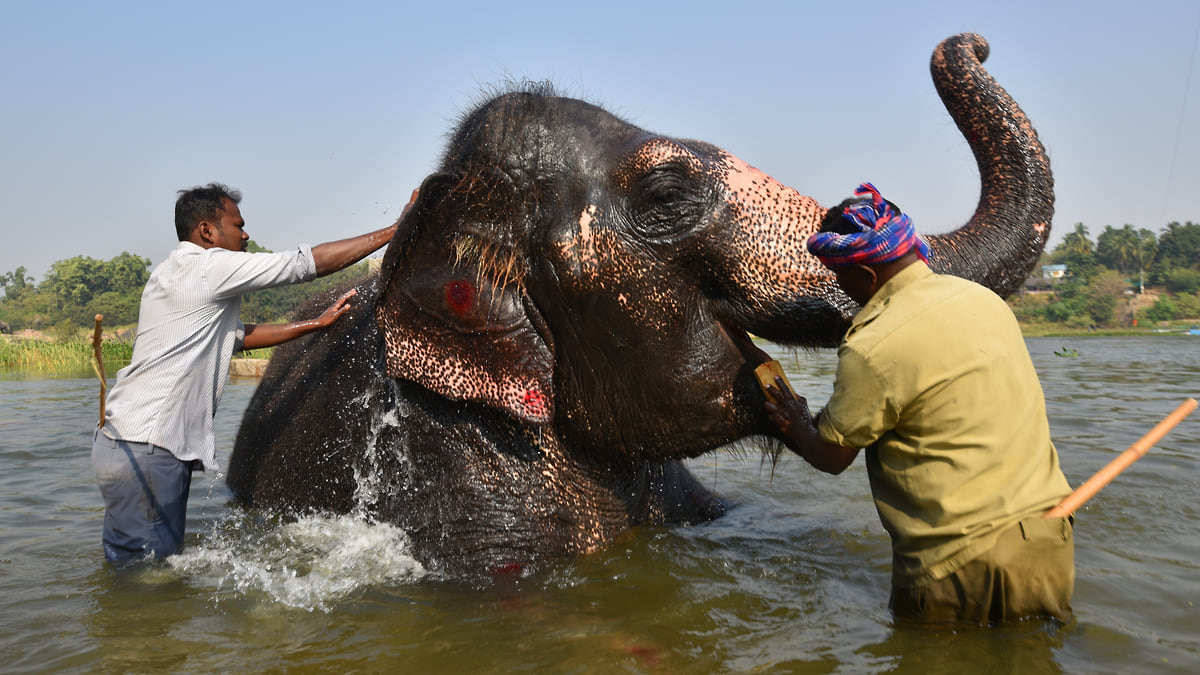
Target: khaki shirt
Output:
[(934, 380)]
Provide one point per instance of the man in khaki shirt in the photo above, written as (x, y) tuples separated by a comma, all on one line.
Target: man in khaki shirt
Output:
[(934, 380)]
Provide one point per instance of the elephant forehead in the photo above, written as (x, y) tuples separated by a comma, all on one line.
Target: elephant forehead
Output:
[(585, 251), (579, 251), (651, 153)]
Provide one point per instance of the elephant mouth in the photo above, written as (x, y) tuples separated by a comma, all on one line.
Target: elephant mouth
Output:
[(744, 344)]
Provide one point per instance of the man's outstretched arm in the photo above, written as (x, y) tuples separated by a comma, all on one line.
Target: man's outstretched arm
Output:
[(268, 335), (335, 255)]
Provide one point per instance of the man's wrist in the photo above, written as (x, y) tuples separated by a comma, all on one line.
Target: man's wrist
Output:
[(806, 415)]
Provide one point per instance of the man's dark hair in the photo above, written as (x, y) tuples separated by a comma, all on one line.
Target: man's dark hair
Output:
[(201, 203), (836, 223)]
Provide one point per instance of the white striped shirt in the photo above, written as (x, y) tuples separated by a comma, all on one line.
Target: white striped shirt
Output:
[(188, 329)]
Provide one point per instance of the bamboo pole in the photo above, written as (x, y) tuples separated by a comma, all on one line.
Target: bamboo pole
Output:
[(1135, 452), (98, 366)]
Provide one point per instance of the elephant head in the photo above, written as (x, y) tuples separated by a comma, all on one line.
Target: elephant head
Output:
[(574, 270)]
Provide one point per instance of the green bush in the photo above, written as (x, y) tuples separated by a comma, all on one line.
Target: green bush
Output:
[(118, 308), (1102, 308), (1189, 305), (64, 331), (1080, 321), (1027, 312), (1183, 280), (1058, 312), (1163, 309)]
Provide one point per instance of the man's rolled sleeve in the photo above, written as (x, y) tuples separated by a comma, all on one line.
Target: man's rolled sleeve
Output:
[(233, 273)]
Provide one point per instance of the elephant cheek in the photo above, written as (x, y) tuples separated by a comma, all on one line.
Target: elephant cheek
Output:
[(501, 371), (575, 253)]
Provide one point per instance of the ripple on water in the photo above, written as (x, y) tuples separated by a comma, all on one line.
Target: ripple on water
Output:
[(794, 579)]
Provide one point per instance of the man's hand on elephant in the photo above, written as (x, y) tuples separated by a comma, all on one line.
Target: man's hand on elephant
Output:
[(268, 335), (408, 207), (789, 410), (337, 309), (790, 413)]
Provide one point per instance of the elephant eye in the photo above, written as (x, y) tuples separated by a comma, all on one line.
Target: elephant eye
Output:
[(665, 201)]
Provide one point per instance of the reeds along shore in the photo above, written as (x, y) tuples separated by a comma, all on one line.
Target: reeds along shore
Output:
[(43, 356), (47, 357)]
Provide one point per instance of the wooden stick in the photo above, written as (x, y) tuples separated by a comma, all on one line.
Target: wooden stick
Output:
[(1135, 452), (98, 366)]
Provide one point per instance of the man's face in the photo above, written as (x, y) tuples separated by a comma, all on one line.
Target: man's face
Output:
[(857, 281), (229, 233)]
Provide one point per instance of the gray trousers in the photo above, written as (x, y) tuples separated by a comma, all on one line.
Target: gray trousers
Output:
[(145, 490)]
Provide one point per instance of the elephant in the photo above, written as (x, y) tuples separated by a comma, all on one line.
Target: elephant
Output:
[(560, 320)]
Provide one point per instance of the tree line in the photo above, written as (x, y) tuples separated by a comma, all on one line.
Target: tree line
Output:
[(75, 290), (1103, 278)]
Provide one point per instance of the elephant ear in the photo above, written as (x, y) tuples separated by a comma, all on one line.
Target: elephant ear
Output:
[(455, 316)]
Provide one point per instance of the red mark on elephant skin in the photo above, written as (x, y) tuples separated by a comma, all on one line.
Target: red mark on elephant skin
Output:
[(535, 402), (460, 295), (511, 569)]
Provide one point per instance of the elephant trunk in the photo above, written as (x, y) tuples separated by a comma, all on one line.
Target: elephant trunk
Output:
[(796, 301), (1003, 240)]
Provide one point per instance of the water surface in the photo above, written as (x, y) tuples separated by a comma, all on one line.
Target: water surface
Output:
[(794, 579)]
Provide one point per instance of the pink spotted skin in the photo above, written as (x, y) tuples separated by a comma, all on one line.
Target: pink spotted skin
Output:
[(563, 317)]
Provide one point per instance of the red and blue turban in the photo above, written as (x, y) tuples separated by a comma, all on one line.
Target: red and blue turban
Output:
[(883, 235)]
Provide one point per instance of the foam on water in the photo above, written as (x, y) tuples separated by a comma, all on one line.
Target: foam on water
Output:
[(312, 563)]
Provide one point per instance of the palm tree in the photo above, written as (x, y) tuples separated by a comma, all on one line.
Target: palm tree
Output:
[(1076, 243), (1125, 249)]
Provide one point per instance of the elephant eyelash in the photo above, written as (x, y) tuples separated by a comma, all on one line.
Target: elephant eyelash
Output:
[(499, 266)]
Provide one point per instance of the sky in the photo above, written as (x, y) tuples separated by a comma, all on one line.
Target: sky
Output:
[(326, 115)]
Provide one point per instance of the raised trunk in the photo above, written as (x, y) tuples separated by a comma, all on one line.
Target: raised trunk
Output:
[(778, 291), (1001, 243)]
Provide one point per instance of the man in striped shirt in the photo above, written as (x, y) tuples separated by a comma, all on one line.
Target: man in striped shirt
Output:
[(158, 425)]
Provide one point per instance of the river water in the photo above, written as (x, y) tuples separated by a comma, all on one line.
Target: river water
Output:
[(794, 579)]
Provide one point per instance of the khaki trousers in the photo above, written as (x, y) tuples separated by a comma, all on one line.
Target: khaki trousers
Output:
[(1030, 572)]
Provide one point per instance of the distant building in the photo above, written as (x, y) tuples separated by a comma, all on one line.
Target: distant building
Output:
[(1054, 271)]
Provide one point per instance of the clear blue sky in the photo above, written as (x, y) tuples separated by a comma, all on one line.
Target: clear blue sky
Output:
[(326, 115)]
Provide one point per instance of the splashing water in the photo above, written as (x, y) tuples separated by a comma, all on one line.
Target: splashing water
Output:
[(386, 408), (311, 563)]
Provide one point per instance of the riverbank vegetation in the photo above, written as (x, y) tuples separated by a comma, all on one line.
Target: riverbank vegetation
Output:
[(47, 327), (1126, 279), (1127, 282), (59, 357)]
